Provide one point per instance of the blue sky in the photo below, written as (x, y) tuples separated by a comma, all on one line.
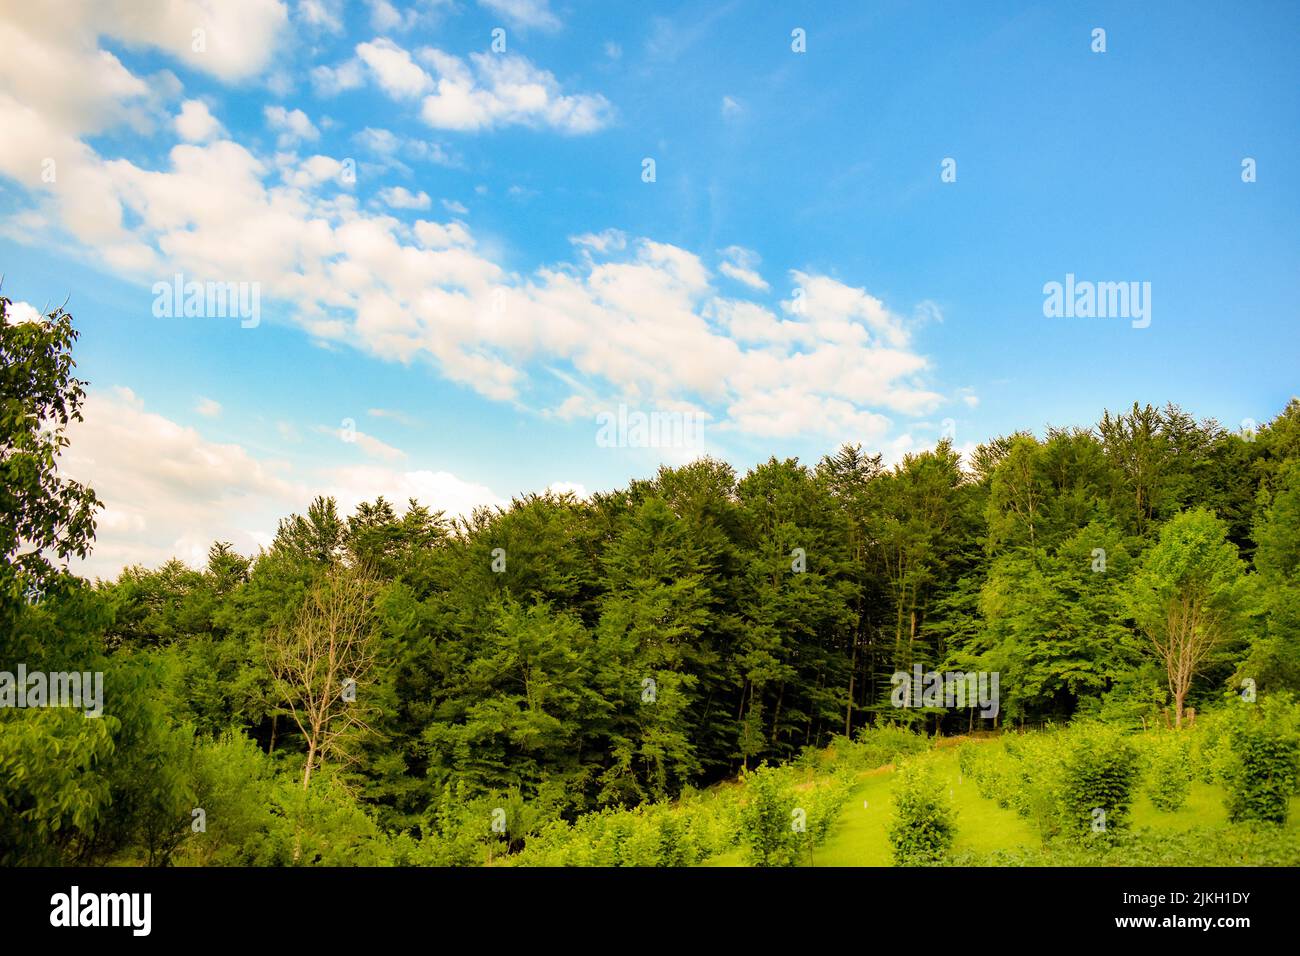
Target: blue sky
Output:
[(498, 273)]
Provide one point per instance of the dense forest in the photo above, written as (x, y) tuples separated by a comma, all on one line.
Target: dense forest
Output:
[(372, 676)]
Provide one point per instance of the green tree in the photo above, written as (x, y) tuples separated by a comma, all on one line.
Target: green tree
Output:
[(1187, 597), (42, 514)]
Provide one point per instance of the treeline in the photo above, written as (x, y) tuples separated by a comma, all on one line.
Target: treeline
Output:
[(613, 650)]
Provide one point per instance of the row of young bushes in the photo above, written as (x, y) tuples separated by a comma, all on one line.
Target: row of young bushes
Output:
[(1078, 784), (870, 748), (776, 816), (1081, 781)]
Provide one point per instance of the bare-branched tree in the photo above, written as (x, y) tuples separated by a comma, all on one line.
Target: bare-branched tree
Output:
[(321, 662)]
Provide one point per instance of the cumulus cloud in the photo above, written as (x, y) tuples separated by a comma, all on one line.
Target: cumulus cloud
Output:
[(19, 312), (437, 235), (170, 492), (55, 66), (489, 90), (323, 14), (567, 488), (438, 490), (500, 90), (393, 69), (195, 123), (610, 240), (398, 197), (641, 318), (332, 80), (292, 125), (385, 17), (631, 319)]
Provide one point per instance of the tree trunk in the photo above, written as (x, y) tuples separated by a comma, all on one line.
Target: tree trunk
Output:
[(853, 672), (311, 759)]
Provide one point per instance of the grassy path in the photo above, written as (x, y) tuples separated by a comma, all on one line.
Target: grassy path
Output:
[(859, 838)]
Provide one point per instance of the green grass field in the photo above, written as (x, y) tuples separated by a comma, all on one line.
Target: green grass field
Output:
[(859, 837)]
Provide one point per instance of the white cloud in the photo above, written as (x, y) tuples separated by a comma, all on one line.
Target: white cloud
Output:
[(393, 69), (167, 490), (170, 492), (438, 490), (385, 17), (437, 235), (195, 123), (18, 313), (741, 264), (731, 107), (398, 197), (453, 206), (292, 125), (332, 80), (568, 487), (54, 63), (610, 240), (630, 319), (389, 146), (324, 14), (501, 90), (431, 153), (371, 446), (378, 140), (208, 408), (524, 13)]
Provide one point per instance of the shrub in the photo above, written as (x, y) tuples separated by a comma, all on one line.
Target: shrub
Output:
[(923, 827), (1168, 770), (876, 746), (870, 748), (1035, 779), (1265, 761), (232, 785), (766, 819), (321, 826), (1094, 787), (1211, 748)]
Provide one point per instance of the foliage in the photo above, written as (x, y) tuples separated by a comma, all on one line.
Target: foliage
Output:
[(42, 514), (1098, 773), (1264, 767), (1168, 770), (923, 826)]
